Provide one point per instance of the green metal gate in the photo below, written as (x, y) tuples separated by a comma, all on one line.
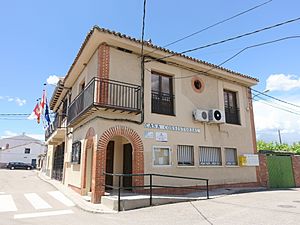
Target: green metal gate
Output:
[(280, 172)]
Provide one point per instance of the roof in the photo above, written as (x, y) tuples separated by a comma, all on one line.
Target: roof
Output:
[(156, 47), (146, 43), (59, 88)]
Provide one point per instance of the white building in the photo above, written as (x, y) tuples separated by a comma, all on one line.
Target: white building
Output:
[(20, 149)]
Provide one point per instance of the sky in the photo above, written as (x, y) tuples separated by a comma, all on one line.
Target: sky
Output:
[(40, 39)]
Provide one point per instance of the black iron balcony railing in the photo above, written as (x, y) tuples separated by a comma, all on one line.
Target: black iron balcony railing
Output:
[(106, 93), (57, 123), (232, 115), (162, 103)]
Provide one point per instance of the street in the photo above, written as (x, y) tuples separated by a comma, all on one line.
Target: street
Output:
[(25, 199)]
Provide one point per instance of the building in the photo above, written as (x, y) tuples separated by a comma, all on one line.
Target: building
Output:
[(20, 148), (179, 116)]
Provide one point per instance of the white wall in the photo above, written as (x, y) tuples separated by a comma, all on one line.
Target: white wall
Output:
[(16, 150)]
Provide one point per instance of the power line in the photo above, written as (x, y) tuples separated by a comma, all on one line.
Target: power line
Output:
[(276, 104), (227, 40), (235, 55), (258, 45), (213, 25), (283, 109), (280, 100)]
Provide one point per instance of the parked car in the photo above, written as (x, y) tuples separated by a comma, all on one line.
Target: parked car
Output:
[(19, 165)]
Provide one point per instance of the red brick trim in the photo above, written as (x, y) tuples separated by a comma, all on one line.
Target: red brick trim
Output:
[(263, 174), (100, 158), (103, 72), (296, 169), (74, 188), (103, 61), (89, 145)]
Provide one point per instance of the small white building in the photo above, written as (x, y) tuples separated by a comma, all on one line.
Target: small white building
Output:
[(20, 149)]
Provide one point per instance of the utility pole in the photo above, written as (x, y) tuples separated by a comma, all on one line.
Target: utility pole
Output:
[(279, 135)]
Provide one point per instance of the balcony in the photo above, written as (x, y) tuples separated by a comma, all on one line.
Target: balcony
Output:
[(162, 103), (55, 133), (107, 94), (232, 115)]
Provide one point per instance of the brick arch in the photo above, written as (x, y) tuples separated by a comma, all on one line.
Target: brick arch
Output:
[(88, 144), (137, 157)]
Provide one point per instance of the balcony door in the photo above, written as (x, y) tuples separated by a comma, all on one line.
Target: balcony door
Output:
[(162, 94)]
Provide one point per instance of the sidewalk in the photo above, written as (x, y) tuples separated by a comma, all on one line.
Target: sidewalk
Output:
[(81, 203), (76, 198)]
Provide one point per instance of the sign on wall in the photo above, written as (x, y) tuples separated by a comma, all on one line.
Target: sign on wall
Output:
[(171, 128), (161, 136), (148, 134)]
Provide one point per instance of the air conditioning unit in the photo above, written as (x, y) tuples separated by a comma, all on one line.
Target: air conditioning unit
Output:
[(216, 116), (200, 115)]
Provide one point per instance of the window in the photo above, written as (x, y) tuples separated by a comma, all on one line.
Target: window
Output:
[(232, 112), (76, 152), (27, 150), (210, 156), (161, 156), (231, 156), (162, 94), (185, 155)]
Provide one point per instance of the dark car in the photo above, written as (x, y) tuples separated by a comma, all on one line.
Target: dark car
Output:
[(19, 165)]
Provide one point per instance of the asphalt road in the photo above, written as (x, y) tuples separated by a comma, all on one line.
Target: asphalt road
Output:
[(27, 200)]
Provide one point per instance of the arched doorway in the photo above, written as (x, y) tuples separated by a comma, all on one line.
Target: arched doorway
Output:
[(127, 148)]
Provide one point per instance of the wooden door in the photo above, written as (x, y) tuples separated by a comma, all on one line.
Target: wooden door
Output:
[(109, 163), (127, 165)]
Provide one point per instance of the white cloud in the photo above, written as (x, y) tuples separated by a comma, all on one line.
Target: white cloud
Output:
[(17, 100), (20, 102), (269, 120), (282, 82), (52, 80)]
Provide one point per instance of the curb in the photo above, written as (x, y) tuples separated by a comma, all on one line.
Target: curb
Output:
[(80, 204)]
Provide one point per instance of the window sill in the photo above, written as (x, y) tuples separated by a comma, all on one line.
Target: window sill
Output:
[(185, 166), (162, 114), (233, 166), (162, 165), (233, 124), (205, 166)]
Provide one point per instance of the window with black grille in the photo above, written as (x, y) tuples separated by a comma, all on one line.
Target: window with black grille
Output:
[(76, 152), (232, 112), (162, 98)]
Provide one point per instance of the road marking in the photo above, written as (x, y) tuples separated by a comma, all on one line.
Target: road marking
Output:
[(7, 204), (43, 214), (61, 197), (36, 201)]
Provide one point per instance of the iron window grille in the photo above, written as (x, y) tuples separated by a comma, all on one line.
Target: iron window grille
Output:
[(76, 152), (210, 156), (162, 98), (231, 156), (185, 155), (232, 112)]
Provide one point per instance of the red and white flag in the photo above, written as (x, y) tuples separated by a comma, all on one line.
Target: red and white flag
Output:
[(36, 114)]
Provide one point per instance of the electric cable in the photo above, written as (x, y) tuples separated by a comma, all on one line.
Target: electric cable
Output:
[(211, 26), (227, 40)]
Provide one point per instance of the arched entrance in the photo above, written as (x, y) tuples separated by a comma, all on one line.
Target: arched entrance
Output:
[(127, 148), (86, 182)]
